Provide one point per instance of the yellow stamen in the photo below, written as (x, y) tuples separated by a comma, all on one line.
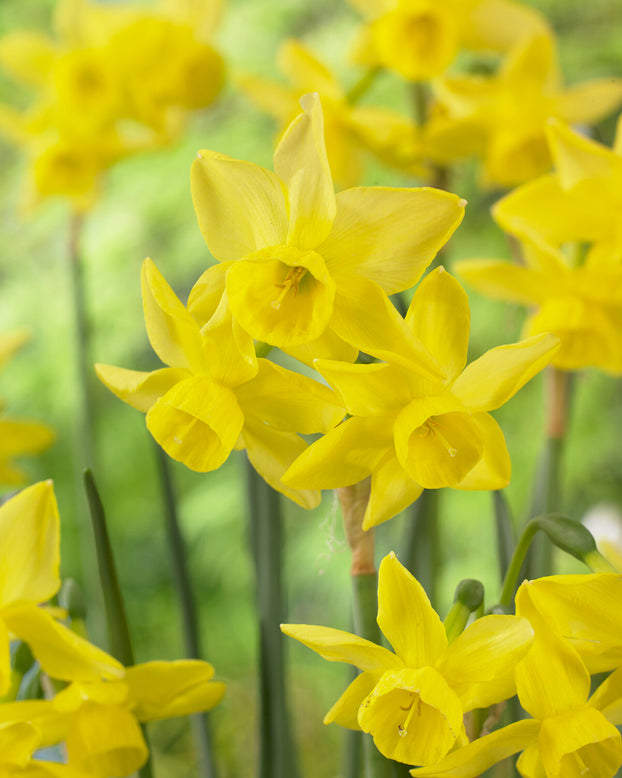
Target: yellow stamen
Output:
[(292, 280), (414, 709), (432, 426)]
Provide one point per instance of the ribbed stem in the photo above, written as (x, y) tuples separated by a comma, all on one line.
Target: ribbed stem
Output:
[(422, 543), (185, 598), (277, 755)]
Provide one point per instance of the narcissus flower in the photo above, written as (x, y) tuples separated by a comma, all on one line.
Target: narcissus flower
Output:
[(568, 735), (99, 721), (349, 129), (310, 271), (579, 303), (215, 395), (412, 701), (513, 107), (29, 576), (419, 39), (580, 201), (409, 432), (18, 741)]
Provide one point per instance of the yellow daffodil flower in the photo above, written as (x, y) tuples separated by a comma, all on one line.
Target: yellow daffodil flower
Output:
[(19, 438), (513, 107), (18, 741), (412, 701), (410, 432), (580, 201), (584, 609), (581, 304), (99, 721), (349, 129), (419, 39), (114, 80), (310, 271), (568, 735), (29, 563), (215, 395)]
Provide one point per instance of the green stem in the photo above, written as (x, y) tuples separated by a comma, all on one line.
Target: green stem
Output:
[(504, 532), (513, 571), (119, 639), (185, 597), (362, 85), (277, 757), (547, 492), (82, 340), (422, 552)]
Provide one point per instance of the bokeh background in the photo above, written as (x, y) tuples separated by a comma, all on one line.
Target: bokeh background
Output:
[(146, 210)]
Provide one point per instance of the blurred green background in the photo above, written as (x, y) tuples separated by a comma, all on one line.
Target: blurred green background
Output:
[(146, 210)]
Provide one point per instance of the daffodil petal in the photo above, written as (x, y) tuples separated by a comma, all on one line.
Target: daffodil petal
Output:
[(494, 469), (300, 162), (551, 679), (278, 100), (328, 346), (366, 390), (18, 740), (413, 715), (589, 101), (364, 316), (30, 545), (61, 652), (502, 280), (139, 389), (338, 646), (608, 697), (23, 437), (5, 659), (500, 24), (298, 63), (479, 663), (495, 377), (230, 350), (343, 456), (39, 769), (106, 740), (28, 56), (165, 689), (582, 608), (405, 616), (476, 757), (173, 333), (240, 207), (361, 240), (542, 208), (52, 724), (289, 401), (392, 490), (271, 452), (205, 295), (440, 319), (345, 711), (580, 742)]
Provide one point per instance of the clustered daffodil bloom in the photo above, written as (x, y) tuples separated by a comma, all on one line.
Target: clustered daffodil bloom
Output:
[(412, 701), (580, 303), (114, 79), (512, 107), (580, 201), (349, 129), (18, 436), (97, 715), (215, 395), (309, 271), (570, 734), (410, 432), (419, 39), (29, 577), (99, 721)]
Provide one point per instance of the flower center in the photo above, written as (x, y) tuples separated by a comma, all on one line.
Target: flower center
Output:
[(292, 279), (414, 709), (432, 427)]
